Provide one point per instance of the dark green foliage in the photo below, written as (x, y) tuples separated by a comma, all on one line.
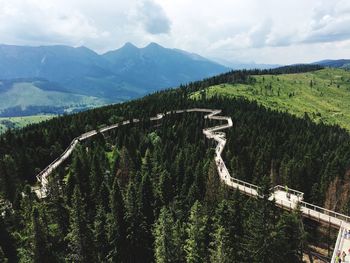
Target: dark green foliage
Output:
[(195, 246), (117, 226), (164, 234), (227, 233), (8, 172), (150, 191), (41, 249), (291, 236), (261, 239), (100, 234), (3, 258), (80, 238)]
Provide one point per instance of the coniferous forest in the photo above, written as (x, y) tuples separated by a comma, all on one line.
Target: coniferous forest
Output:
[(149, 192)]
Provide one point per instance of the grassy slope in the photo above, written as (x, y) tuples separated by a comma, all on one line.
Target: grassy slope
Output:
[(326, 100), (19, 122), (26, 94)]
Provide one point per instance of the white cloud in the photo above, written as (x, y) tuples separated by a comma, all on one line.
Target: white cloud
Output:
[(97, 24), (330, 22), (155, 21), (270, 31)]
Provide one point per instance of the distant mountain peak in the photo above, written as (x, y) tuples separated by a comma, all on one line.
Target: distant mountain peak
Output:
[(117, 75), (153, 45), (334, 63), (129, 45)]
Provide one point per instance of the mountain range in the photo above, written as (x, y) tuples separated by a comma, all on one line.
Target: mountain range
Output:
[(335, 63), (60, 79), (65, 77)]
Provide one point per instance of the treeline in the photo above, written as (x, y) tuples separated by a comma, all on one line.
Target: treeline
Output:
[(148, 194), (31, 110), (243, 76)]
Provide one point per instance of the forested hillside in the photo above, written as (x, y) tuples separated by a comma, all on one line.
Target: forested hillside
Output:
[(322, 95), (150, 193)]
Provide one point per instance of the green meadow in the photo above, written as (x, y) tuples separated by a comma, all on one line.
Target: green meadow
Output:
[(20, 122), (323, 95)]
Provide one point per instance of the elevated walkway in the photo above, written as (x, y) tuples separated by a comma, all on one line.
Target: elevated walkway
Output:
[(286, 200)]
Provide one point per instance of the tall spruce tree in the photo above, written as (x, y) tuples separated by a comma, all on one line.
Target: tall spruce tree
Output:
[(290, 237), (195, 246), (164, 247), (227, 236), (213, 186), (42, 252), (262, 236), (136, 231), (100, 234), (146, 211), (80, 238), (117, 226)]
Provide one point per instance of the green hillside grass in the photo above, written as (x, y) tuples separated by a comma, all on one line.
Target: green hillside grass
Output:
[(20, 122), (324, 95), (27, 94)]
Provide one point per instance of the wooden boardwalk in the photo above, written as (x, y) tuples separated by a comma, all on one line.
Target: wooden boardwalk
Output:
[(279, 194)]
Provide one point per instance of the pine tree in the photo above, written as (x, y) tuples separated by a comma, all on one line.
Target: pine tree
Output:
[(103, 197), (80, 240), (195, 246), (100, 233), (179, 237), (147, 163), (164, 247), (25, 248), (221, 251), (179, 171), (7, 242), (96, 175), (262, 241), (213, 186), (117, 225), (136, 232), (41, 248), (290, 237), (8, 178), (80, 170), (227, 234), (146, 212), (3, 259), (147, 199), (125, 167), (165, 188)]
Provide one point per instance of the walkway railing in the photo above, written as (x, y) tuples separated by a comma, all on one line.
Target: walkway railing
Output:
[(337, 244), (313, 211), (291, 191), (244, 184), (323, 211), (43, 175)]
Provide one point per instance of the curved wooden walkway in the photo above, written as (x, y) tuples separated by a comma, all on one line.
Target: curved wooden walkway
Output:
[(279, 194)]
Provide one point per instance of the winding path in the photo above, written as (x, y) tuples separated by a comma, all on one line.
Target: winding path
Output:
[(279, 193)]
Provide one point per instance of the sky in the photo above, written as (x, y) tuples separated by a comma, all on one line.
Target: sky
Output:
[(261, 31)]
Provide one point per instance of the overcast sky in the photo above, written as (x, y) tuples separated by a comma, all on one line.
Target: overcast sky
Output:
[(264, 31)]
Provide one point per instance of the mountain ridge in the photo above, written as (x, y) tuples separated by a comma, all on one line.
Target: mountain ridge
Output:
[(115, 76)]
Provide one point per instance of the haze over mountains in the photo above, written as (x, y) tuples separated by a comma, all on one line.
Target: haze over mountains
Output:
[(335, 63), (59, 79), (48, 73)]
